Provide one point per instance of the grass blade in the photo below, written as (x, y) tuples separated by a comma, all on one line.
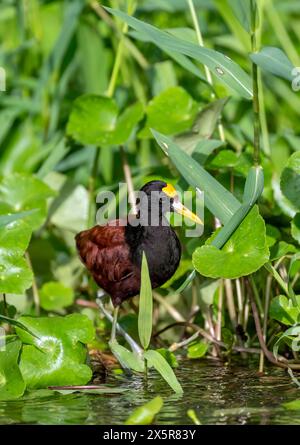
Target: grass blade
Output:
[(275, 61), (6, 219), (156, 360), (127, 359), (145, 306), (227, 71), (218, 200)]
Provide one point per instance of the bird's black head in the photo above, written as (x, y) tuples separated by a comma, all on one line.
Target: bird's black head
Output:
[(157, 198), (153, 186)]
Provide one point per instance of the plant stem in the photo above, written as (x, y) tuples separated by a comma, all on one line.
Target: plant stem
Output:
[(230, 302), (92, 183), (218, 327), (168, 307), (207, 71), (265, 318), (5, 305), (119, 55), (135, 52), (132, 343), (128, 179), (282, 364), (35, 291), (256, 111), (277, 277)]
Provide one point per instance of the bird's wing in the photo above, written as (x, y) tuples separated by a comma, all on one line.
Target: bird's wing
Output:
[(105, 253)]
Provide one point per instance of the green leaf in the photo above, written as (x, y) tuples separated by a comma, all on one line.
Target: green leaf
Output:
[(207, 119), (127, 358), (185, 266), (22, 192), (281, 249), (6, 219), (168, 356), (58, 356), (290, 180), (197, 350), (15, 274), (246, 13), (224, 159), (193, 416), (145, 306), (244, 253), (295, 227), (292, 333), (156, 360), (220, 65), (227, 338), (171, 112), (16, 323), (95, 120), (55, 296), (283, 310), (273, 60), (12, 385), (218, 200), (181, 59), (144, 415), (273, 235), (294, 405)]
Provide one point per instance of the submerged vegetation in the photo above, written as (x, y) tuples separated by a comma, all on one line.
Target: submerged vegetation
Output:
[(97, 97)]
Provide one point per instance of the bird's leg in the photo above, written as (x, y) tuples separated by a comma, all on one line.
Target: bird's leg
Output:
[(114, 324), (134, 346)]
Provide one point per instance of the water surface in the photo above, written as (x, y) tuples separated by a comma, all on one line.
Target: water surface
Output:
[(233, 394)]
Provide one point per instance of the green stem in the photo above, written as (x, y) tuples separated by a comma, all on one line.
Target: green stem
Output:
[(35, 291), (277, 277), (256, 111), (119, 55), (280, 31), (5, 305), (92, 184), (207, 71)]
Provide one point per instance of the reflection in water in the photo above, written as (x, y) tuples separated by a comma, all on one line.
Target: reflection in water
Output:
[(219, 394)]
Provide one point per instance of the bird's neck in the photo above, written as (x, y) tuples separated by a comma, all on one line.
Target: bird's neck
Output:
[(139, 229)]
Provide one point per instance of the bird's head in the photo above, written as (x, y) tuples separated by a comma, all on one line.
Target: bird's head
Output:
[(164, 197)]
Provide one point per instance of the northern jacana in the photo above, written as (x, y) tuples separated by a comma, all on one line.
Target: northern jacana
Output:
[(113, 253)]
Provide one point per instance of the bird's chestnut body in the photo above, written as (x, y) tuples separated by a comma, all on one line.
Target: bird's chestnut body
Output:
[(113, 255)]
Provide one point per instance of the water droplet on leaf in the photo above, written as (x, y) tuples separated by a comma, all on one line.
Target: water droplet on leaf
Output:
[(219, 71)]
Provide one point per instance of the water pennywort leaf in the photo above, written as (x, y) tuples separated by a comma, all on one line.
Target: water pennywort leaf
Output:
[(12, 385), (244, 253), (58, 356), (96, 120)]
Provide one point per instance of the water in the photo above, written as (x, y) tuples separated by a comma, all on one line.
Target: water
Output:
[(219, 394)]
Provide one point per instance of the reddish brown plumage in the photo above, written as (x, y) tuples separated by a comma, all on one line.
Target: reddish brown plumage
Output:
[(106, 254)]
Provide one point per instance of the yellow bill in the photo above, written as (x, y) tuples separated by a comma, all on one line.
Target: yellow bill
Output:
[(182, 210)]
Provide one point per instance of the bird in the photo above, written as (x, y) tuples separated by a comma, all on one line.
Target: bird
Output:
[(112, 253)]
